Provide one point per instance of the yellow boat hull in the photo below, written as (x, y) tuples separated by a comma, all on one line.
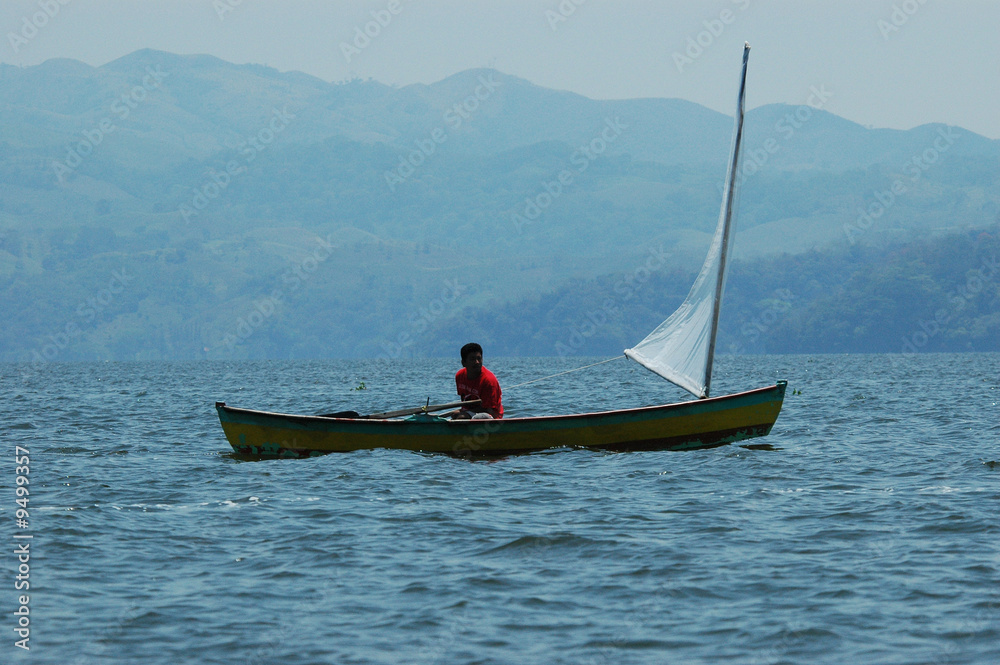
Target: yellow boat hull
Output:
[(684, 425)]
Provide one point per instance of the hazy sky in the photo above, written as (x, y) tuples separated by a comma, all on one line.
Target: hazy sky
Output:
[(884, 63)]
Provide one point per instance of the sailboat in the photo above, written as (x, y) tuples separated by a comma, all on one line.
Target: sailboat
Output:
[(681, 350)]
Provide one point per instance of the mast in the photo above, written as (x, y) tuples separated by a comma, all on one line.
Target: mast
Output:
[(728, 206)]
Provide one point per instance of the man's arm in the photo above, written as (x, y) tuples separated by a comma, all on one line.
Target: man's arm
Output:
[(491, 398)]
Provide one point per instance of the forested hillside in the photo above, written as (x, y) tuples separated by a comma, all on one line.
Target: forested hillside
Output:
[(166, 206), (931, 295)]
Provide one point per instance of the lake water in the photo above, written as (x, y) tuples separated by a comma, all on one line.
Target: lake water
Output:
[(866, 531)]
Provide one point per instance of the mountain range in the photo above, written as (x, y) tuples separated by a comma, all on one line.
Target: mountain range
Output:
[(169, 206)]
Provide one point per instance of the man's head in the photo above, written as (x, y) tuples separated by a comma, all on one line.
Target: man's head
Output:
[(472, 358)]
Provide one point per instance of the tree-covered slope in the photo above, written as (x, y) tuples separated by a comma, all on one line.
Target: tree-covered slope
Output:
[(216, 186)]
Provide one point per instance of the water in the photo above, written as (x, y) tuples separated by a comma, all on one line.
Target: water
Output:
[(866, 531)]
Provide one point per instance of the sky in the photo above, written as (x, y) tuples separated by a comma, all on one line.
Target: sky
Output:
[(881, 63)]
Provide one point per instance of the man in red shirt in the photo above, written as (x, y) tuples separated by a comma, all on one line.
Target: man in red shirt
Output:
[(476, 382)]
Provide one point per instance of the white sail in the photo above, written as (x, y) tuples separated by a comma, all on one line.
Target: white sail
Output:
[(682, 348)]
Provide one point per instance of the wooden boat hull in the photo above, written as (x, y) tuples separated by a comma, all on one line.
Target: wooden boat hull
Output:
[(685, 425)]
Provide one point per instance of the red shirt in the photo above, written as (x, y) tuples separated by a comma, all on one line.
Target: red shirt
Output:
[(486, 389)]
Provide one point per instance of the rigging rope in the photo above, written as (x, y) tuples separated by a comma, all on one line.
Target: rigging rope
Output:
[(569, 371)]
